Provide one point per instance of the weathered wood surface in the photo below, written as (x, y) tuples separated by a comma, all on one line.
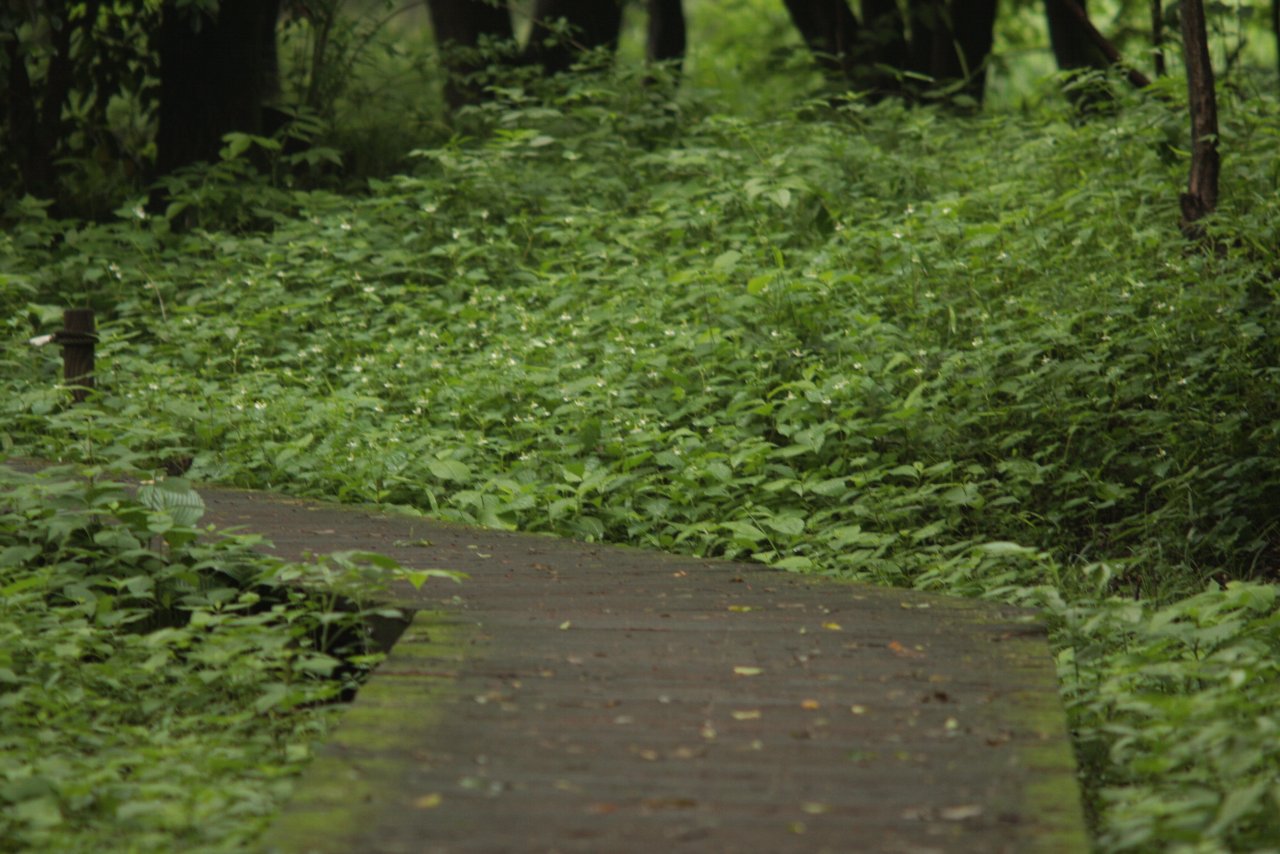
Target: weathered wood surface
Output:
[(576, 697)]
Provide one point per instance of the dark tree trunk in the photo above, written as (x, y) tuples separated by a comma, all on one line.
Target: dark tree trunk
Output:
[(591, 24), (1069, 37), (831, 32), (214, 77), (951, 42), (1275, 28), (884, 33), (666, 41), (34, 120), (926, 31), (33, 161), (973, 24), (1157, 35), (1201, 196), (461, 28), (1100, 44)]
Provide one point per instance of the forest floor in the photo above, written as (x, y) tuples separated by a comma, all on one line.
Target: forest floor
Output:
[(571, 696)]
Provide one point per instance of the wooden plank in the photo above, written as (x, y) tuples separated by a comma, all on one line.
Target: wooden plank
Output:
[(578, 697)]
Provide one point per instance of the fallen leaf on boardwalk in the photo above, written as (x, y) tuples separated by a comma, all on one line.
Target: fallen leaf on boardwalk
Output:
[(858, 709), (670, 803), (428, 802), (566, 624), (810, 705), (832, 627), (740, 609), (747, 671), (815, 808), (747, 715), (901, 651), (960, 813), (680, 574)]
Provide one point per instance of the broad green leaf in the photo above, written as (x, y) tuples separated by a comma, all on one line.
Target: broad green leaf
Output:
[(450, 470)]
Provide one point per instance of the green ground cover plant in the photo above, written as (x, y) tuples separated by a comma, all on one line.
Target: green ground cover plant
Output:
[(971, 355), (159, 687)]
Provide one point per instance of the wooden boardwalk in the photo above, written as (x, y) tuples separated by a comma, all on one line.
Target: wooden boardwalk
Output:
[(575, 697)]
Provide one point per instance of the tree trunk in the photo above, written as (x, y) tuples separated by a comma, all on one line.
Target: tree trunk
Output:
[(591, 24), (884, 33), (951, 42), (1072, 47), (1100, 44), (830, 30), (34, 165), (1157, 35), (973, 25), (666, 41), (34, 122), (1275, 28), (461, 28), (214, 77), (1201, 196)]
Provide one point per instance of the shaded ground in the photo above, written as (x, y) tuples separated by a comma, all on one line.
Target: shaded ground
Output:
[(576, 697)]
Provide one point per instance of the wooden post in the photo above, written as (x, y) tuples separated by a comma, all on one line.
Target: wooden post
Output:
[(77, 337)]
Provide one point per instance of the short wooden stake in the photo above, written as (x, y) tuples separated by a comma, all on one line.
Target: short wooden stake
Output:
[(77, 337)]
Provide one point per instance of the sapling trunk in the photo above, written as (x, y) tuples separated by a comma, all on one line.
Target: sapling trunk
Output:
[(1201, 196)]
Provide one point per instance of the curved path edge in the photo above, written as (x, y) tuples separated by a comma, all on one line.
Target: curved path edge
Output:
[(575, 697)]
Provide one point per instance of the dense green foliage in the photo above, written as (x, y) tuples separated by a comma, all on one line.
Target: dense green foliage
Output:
[(968, 355), (153, 682)]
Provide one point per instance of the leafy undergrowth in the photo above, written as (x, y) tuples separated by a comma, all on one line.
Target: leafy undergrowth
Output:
[(967, 355), (158, 687)]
